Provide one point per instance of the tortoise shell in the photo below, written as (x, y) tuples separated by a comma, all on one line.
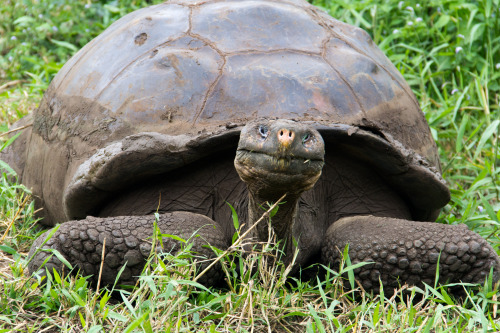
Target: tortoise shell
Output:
[(169, 84)]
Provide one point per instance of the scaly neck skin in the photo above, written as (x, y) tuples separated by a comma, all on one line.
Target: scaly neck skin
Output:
[(282, 223)]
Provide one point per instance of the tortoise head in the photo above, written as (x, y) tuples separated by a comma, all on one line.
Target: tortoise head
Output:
[(279, 156)]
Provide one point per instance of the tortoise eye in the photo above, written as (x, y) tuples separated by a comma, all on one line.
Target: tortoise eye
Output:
[(263, 131), (308, 140)]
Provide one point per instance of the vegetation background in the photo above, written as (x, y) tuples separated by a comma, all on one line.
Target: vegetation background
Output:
[(448, 51)]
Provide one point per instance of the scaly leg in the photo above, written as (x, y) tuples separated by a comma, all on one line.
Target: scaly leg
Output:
[(405, 251), (128, 241)]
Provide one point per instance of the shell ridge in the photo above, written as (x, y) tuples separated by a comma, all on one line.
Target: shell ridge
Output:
[(190, 20), (268, 20), (402, 86), (351, 89), (223, 55), (277, 50), (134, 61), (211, 89), (405, 88)]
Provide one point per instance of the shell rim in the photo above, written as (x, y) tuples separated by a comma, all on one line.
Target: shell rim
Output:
[(94, 182)]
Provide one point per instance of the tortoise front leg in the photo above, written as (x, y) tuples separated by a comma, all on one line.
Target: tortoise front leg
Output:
[(128, 242), (405, 251)]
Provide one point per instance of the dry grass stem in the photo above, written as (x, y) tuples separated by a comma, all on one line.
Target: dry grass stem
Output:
[(102, 264), (15, 130), (19, 210), (10, 84), (240, 238)]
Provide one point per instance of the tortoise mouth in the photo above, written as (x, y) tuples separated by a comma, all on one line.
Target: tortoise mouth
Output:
[(287, 174), (281, 164)]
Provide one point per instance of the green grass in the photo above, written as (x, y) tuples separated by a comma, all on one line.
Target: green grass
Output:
[(448, 51)]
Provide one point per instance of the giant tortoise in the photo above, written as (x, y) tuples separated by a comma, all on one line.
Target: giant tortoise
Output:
[(148, 117)]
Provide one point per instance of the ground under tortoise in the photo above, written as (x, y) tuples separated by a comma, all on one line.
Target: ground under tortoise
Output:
[(148, 115)]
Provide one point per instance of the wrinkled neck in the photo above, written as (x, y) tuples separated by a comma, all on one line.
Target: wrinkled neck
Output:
[(282, 222)]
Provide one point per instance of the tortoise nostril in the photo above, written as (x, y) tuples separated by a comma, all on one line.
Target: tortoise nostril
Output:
[(286, 136), (284, 132)]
